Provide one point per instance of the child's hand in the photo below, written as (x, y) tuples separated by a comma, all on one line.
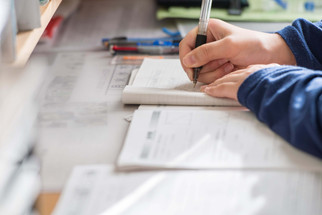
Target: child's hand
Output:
[(229, 47), (228, 85)]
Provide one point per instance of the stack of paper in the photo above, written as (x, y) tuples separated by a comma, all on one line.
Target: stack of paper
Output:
[(194, 159)]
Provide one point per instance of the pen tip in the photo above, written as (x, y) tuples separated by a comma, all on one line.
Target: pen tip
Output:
[(194, 84)]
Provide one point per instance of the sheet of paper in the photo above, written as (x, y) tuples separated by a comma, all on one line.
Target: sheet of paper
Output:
[(163, 81), (100, 190), (81, 119), (207, 139)]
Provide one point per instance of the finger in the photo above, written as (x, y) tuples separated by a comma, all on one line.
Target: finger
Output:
[(213, 65), (206, 53), (224, 90), (231, 77), (186, 45), (209, 77)]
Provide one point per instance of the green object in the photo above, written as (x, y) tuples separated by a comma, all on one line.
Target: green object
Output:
[(43, 2), (252, 13)]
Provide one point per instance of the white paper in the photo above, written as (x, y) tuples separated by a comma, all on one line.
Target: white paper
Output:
[(163, 81), (98, 189), (207, 139), (22, 191), (81, 118)]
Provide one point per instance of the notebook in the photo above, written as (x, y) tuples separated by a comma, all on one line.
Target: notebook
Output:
[(164, 82)]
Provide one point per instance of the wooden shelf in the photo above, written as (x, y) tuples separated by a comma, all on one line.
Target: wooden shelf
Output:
[(27, 40)]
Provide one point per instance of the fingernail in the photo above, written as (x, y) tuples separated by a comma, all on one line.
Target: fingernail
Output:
[(228, 68), (189, 60)]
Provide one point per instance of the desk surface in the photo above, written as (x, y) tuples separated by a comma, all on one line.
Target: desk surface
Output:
[(61, 148)]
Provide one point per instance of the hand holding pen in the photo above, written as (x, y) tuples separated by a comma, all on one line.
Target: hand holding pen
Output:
[(229, 47)]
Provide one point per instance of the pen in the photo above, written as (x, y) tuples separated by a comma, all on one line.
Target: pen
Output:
[(135, 41), (146, 49), (202, 32)]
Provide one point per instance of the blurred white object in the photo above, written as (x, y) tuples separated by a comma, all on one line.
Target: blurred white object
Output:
[(8, 30), (28, 14), (20, 179)]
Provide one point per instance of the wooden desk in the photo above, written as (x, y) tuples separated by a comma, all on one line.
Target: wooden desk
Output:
[(46, 203)]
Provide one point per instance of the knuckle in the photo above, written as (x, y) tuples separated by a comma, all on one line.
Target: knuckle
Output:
[(230, 41), (212, 23)]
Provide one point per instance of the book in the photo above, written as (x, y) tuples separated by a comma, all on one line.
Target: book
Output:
[(163, 81)]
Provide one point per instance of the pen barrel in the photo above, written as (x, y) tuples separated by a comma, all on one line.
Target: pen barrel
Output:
[(202, 27), (200, 40), (204, 16), (158, 50)]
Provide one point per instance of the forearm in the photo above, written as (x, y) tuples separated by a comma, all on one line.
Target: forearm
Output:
[(288, 100)]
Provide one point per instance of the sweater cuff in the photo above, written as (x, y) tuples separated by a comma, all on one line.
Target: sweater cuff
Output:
[(302, 38), (294, 41), (248, 87)]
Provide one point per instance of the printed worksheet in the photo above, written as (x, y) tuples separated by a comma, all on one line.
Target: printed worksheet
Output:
[(80, 114), (98, 189), (207, 139)]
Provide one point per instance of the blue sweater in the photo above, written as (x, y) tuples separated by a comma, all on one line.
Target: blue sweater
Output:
[(289, 98)]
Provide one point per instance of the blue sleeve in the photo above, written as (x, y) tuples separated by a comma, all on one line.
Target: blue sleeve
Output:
[(289, 100), (305, 40)]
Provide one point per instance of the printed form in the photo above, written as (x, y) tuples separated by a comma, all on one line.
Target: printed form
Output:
[(207, 139), (98, 189), (80, 112)]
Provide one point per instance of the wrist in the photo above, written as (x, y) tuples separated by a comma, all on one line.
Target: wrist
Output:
[(278, 51)]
